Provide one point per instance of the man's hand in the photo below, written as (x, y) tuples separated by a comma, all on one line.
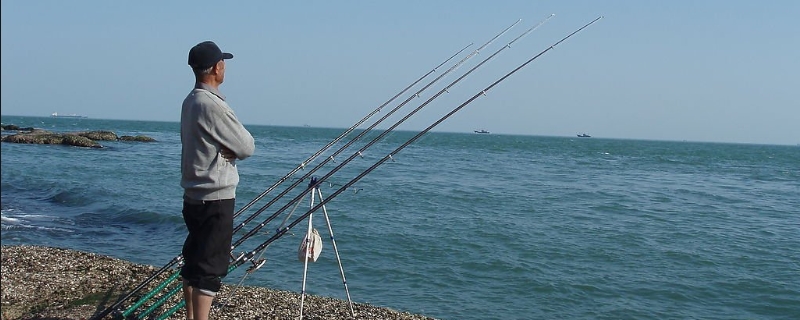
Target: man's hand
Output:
[(227, 154)]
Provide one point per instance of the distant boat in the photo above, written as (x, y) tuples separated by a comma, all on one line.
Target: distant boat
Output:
[(583, 135), (481, 131), (71, 115)]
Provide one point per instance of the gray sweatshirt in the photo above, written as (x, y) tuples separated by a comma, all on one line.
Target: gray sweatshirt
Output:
[(207, 125)]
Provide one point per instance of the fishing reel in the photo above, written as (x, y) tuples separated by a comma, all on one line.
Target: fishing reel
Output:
[(257, 264)]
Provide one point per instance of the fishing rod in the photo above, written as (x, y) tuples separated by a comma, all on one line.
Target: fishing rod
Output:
[(238, 227), (356, 138), (328, 159), (301, 166), (384, 133), (390, 155), (283, 231), (310, 159), (379, 137)]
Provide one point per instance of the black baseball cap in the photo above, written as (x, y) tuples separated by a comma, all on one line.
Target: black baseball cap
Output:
[(205, 54)]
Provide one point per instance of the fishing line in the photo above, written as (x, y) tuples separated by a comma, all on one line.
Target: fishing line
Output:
[(310, 159), (483, 92), (333, 156), (387, 131)]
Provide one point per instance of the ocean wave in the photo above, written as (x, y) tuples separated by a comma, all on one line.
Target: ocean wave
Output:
[(23, 226), (129, 216), (22, 221), (5, 219), (70, 198), (26, 186)]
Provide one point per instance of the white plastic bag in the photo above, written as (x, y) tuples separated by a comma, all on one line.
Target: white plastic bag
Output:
[(314, 250)]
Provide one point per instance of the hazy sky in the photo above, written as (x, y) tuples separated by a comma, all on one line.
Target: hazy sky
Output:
[(724, 71)]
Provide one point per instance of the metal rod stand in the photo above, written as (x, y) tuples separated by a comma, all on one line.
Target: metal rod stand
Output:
[(308, 241)]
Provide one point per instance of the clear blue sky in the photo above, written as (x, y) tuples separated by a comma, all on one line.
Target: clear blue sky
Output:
[(723, 71)]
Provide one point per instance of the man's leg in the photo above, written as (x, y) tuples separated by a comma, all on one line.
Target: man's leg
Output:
[(211, 255), (202, 304), (187, 296)]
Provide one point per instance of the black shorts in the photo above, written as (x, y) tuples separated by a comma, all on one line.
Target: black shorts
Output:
[(206, 251)]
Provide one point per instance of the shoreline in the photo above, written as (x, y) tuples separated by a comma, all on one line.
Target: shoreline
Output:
[(63, 284)]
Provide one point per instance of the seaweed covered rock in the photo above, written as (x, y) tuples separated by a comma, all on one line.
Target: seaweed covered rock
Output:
[(101, 135), (79, 139), (13, 127), (52, 138), (40, 138), (139, 138)]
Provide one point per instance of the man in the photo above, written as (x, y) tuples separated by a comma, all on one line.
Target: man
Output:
[(212, 139)]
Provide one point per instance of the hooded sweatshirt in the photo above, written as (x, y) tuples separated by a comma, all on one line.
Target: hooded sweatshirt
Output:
[(208, 124)]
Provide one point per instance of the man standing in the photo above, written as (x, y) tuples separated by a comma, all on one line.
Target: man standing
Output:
[(212, 139)]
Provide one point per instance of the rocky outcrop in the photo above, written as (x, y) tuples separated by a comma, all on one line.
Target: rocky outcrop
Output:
[(86, 139), (98, 135), (52, 138), (12, 127), (137, 138)]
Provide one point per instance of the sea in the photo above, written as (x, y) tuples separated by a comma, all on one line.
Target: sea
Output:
[(455, 225)]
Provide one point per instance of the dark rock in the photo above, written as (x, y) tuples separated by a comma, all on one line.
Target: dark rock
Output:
[(79, 139), (52, 138), (140, 138), (99, 135), (43, 138), (13, 127)]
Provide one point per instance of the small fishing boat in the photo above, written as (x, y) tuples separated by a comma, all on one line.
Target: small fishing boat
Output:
[(481, 131), (583, 135)]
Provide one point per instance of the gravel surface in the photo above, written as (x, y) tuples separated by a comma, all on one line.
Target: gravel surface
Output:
[(60, 284)]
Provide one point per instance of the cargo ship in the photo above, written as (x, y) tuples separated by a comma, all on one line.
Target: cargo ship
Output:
[(71, 115)]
